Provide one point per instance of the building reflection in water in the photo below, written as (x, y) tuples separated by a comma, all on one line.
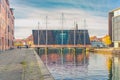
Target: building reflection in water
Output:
[(66, 63), (116, 67), (109, 67), (80, 65), (113, 66), (54, 56)]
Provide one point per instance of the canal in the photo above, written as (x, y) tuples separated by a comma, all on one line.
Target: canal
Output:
[(76, 64)]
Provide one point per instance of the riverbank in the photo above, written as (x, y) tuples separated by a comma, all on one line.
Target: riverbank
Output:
[(116, 51), (22, 64), (102, 50), (105, 50)]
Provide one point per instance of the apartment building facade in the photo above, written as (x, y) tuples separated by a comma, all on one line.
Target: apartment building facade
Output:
[(114, 27), (6, 25)]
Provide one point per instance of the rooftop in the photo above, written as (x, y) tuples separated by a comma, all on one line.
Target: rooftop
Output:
[(115, 9)]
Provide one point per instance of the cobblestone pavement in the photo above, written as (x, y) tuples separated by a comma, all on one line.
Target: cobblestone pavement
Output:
[(22, 64)]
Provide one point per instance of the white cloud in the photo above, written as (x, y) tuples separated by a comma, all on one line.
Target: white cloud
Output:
[(30, 16)]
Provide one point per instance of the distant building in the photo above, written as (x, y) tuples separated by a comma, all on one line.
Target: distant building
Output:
[(97, 44), (29, 40), (94, 38), (6, 25), (114, 27), (19, 42), (24, 42), (59, 37)]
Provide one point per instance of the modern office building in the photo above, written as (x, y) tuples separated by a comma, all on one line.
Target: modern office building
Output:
[(114, 27), (61, 37), (6, 25)]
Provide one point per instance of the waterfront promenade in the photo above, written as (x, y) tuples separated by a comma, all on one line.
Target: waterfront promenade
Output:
[(22, 64)]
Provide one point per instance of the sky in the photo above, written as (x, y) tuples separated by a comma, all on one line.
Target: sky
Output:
[(88, 14)]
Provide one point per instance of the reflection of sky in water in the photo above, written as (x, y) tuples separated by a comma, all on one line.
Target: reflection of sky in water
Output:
[(89, 67)]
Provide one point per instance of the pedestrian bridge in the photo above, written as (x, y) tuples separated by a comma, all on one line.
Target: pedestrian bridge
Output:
[(60, 46)]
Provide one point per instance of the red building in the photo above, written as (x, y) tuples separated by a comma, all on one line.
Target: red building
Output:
[(6, 25)]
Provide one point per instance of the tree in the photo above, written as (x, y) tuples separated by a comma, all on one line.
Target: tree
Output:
[(106, 39)]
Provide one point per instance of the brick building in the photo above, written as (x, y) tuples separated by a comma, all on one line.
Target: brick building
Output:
[(6, 25)]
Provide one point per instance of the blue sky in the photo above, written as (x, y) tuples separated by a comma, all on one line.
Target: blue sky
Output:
[(95, 12)]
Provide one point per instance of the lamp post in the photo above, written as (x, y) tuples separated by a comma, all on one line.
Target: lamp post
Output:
[(62, 27), (46, 31), (38, 37), (84, 33), (38, 34), (46, 40)]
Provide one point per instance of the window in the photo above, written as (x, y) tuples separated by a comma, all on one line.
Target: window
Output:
[(8, 28), (8, 42), (8, 15)]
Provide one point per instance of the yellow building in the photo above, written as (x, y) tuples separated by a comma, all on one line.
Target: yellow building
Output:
[(29, 41)]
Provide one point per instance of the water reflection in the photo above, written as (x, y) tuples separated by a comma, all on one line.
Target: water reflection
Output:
[(116, 67), (67, 56), (70, 64)]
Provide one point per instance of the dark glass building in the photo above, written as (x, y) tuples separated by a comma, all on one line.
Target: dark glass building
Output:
[(59, 37)]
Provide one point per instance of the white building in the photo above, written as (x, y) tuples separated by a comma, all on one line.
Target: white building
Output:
[(114, 27)]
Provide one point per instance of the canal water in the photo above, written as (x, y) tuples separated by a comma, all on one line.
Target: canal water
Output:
[(72, 64)]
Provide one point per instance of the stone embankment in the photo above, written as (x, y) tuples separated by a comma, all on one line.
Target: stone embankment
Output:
[(102, 50), (105, 50), (22, 64), (116, 51)]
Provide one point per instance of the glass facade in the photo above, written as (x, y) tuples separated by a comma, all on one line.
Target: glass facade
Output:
[(116, 28), (59, 37)]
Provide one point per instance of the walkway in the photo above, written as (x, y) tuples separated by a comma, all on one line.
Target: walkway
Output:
[(22, 64)]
